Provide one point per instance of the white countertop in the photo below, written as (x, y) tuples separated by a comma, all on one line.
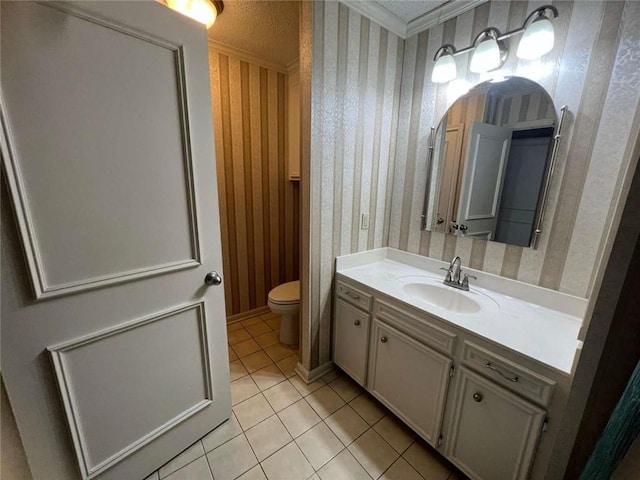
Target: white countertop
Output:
[(539, 323)]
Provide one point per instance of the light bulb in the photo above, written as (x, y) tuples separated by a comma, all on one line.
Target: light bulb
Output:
[(537, 39), (486, 56), (202, 11), (444, 70)]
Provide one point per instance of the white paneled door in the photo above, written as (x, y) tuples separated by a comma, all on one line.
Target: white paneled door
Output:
[(482, 180), (114, 347)]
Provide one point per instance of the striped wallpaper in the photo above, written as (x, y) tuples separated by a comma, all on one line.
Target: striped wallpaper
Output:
[(259, 206), (372, 107), (594, 71), (355, 89)]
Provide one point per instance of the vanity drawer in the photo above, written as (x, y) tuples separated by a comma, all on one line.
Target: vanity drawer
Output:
[(353, 295), (517, 378), (417, 327)]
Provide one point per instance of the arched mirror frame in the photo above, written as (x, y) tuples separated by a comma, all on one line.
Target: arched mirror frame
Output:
[(547, 176)]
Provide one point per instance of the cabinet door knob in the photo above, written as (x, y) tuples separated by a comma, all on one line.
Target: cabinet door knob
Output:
[(383, 339), (356, 322), (477, 397)]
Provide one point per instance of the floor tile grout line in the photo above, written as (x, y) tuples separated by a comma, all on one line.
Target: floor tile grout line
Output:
[(207, 458), (254, 454), (186, 464), (315, 470)]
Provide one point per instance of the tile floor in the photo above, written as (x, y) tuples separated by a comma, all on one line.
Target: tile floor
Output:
[(283, 429)]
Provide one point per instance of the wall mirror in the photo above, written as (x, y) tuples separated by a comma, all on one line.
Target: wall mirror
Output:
[(492, 158)]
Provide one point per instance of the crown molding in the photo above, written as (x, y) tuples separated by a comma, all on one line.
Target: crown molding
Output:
[(245, 56), (440, 15), (376, 12)]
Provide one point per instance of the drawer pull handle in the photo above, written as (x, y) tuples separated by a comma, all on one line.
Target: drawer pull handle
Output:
[(477, 397), (356, 322), (491, 367), (383, 339), (352, 295)]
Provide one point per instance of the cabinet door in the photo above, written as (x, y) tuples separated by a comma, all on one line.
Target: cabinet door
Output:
[(493, 434), (351, 340), (409, 378)]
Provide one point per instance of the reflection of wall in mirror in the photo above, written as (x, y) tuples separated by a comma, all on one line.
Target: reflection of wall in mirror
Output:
[(531, 114), (523, 180), (533, 108)]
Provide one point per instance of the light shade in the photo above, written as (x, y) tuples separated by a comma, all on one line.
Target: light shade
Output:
[(487, 56), (444, 70), (202, 11), (537, 39)]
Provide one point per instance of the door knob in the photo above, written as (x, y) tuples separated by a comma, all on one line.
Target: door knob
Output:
[(356, 322), (383, 339), (464, 228), (477, 397), (212, 278)]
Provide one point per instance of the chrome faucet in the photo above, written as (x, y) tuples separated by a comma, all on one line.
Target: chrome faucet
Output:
[(453, 275)]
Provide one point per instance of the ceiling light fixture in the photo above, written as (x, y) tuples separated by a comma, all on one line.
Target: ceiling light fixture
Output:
[(490, 51), (203, 11)]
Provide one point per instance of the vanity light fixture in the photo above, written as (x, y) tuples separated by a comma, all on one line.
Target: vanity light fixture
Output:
[(490, 53), (489, 49), (445, 68), (538, 35), (203, 11)]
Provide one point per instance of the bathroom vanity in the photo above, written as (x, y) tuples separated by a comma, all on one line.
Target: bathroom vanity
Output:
[(482, 376)]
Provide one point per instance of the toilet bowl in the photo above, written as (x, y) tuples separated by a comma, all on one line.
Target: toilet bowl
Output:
[(285, 301)]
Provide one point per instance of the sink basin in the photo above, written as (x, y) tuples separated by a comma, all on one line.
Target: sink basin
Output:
[(447, 298)]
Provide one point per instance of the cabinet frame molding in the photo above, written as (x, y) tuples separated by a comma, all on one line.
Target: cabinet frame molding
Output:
[(441, 396), (531, 435)]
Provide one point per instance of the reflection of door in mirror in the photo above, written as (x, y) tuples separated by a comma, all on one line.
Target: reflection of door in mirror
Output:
[(482, 180), (451, 154), (490, 162), (448, 161)]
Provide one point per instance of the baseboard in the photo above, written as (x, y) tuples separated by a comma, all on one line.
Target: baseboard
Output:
[(251, 313), (312, 375)]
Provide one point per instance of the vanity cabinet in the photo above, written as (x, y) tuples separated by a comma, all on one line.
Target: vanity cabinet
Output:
[(409, 378), (492, 433), (482, 406), (351, 331), (351, 340)]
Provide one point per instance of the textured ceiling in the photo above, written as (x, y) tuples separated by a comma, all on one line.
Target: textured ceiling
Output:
[(407, 10), (264, 28)]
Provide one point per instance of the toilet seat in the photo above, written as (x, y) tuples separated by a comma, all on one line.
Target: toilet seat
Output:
[(286, 294)]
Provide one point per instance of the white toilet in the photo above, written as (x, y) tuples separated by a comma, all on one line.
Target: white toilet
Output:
[(285, 301)]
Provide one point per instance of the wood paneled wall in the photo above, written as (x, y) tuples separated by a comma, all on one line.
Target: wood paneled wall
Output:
[(259, 206)]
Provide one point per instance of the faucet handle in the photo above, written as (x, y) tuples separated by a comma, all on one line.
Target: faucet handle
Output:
[(465, 280)]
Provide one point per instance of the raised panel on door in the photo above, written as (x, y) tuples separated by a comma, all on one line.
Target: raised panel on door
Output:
[(106, 189), (492, 434), (158, 374), (351, 340), (410, 378), (108, 162), (483, 179)]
